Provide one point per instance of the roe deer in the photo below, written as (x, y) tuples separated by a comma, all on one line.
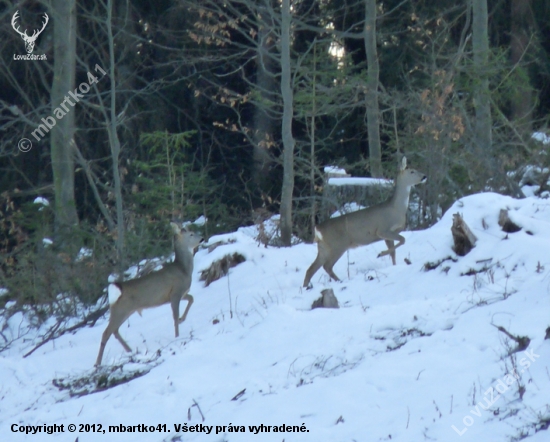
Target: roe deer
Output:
[(381, 221), (167, 285)]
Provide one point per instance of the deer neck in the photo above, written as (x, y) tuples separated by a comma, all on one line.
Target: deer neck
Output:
[(400, 197), (184, 257)]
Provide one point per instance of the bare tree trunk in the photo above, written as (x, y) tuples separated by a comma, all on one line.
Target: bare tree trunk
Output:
[(114, 140), (312, 143), (288, 139), (266, 84), (373, 124), (482, 99), (61, 136), (522, 102)]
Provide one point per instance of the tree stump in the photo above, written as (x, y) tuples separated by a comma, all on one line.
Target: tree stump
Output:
[(464, 239), (327, 300), (506, 223)]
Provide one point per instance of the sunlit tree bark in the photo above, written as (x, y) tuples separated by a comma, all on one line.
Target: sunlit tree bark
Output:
[(288, 139)]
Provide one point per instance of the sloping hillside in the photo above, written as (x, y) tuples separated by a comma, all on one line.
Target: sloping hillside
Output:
[(412, 354)]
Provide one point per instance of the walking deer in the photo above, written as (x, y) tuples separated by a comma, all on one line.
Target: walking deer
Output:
[(167, 285), (382, 221)]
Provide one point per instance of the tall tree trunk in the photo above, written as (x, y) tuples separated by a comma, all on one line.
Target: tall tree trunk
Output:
[(114, 140), (522, 97), (482, 99), (312, 143), (373, 74), (266, 84), (61, 136), (288, 139)]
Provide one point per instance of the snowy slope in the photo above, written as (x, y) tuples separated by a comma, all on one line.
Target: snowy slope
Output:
[(411, 355)]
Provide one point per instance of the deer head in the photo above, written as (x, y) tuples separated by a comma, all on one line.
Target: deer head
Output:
[(29, 40)]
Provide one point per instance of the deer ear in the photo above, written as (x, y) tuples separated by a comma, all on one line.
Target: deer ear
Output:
[(175, 228), (404, 163)]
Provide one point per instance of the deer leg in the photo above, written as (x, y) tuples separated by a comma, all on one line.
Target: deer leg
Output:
[(390, 237), (112, 328), (176, 313), (106, 335), (391, 249), (335, 256), (313, 269), (189, 300), (328, 269), (122, 341)]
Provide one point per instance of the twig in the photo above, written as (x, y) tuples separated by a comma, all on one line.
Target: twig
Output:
[(195, 404), (229, 291), (239, 394), (92, 181), (437, 409)]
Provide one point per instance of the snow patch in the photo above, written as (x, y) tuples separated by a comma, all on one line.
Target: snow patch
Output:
[(84, 253), (542, 137), (41, 200), (347, 208), (335, 170), (200, 221), (360, 181)]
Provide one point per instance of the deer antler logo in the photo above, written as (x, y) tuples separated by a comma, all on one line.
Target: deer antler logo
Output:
[(29, 40)]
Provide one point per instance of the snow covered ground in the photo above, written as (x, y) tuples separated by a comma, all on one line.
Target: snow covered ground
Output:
[(411, 354)]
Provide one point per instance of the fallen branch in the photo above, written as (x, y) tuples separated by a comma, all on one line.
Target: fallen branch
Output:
[(522, 341), (53, 333), (220, 268), (434, 265)]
